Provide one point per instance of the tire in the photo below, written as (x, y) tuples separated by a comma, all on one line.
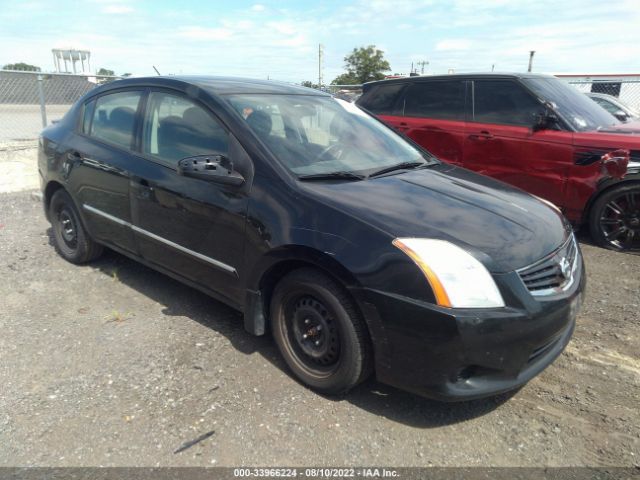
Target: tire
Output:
[(614, 219), (71, 240), (334, 358)]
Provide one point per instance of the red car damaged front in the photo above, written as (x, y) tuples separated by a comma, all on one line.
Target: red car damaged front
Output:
[(533, 131)]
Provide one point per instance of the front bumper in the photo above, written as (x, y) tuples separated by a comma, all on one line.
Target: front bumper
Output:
[(463, 354)]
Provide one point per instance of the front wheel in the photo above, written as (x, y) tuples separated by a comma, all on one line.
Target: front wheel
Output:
[(615, 218), (320, 332)]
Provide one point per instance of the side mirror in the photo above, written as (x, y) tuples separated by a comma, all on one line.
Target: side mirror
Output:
[(547, 120), (213, 168), (621, 115)]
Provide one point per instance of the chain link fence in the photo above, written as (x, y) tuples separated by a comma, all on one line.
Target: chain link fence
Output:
[(627, 91), (29, 101)]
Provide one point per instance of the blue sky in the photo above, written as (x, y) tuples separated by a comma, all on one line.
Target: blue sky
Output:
[(280, 39)]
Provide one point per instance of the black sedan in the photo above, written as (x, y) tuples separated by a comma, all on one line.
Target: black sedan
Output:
[(357, 249)]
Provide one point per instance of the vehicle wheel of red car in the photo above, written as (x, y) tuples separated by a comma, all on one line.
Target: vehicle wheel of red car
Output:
[(615, 218), (71, 240), (320, 332)]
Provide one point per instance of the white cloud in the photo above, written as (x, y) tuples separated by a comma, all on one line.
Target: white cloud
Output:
[(453, 44), (201, 33), (258, 7), (117, 9)]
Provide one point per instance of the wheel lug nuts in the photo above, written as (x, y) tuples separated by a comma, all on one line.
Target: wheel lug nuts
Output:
[(306, 321), (318, 328), (317, 342), (304, 336)]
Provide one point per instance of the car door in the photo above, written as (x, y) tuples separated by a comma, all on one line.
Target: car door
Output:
[(502, 143), (434, 117), (99, 163), (192, 227)]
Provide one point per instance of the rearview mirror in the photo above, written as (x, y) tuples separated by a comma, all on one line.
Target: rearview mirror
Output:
[(213, 168)]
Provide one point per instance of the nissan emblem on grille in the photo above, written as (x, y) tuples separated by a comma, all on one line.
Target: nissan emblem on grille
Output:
[(553, 274)]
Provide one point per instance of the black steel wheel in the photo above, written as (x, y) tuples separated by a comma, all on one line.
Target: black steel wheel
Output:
[(320, 332), (615, 218), (70, 238)]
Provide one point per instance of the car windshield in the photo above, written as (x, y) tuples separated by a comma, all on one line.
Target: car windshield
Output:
[(316, 135), (573, 106)]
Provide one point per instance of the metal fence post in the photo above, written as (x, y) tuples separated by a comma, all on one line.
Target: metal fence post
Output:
[(43, 108)]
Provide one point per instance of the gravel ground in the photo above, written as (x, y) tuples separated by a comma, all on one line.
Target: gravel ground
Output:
[(115, 364)]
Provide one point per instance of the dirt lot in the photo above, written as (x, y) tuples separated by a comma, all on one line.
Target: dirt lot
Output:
[(115, 364)]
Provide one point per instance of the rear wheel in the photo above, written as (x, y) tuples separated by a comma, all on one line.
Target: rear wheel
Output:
[(320, 332), (615, 218), (70, 238)]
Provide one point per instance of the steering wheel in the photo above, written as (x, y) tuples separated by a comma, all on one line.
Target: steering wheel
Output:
[(328, 150)]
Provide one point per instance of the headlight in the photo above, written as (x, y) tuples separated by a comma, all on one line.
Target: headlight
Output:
[(457, 279)]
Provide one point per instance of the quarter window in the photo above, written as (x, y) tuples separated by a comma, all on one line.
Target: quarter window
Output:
[(176, 128), (114, 118), (443, 100), (504, 102)]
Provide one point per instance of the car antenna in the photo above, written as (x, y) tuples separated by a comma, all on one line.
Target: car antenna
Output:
[(154, 67)]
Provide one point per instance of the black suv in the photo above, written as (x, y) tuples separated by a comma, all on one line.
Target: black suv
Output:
[(357, 249)]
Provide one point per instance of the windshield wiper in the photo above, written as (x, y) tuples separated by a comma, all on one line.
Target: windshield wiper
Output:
[(342, 175), (399, 166)]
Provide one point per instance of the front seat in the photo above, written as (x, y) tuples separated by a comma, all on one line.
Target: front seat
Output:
[(260, 123)]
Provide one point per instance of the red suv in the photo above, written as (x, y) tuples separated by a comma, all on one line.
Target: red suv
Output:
[(532, 131)]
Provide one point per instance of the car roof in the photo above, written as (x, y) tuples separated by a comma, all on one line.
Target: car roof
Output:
[(459, 76), (215, 85)]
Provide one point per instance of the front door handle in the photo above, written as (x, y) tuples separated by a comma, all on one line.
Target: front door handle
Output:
[(142, 187), (482, 135)]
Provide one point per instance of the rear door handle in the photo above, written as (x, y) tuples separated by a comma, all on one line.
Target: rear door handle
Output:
[(402, 127), (74, 156)]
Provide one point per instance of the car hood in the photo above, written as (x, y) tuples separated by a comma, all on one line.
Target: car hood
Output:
[(505, 228), (629, 128)]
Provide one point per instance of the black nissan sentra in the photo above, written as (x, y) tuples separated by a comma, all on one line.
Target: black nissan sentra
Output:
[(359, 251)]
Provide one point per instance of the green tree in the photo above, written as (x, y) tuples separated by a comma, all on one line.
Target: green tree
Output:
[(363, 64), (21, 66), (309, 84), (104, 71)]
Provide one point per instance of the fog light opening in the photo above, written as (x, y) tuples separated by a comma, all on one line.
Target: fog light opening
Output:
[(466, 373)]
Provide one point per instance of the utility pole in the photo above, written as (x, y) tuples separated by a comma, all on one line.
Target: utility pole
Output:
[(422, 64), (320, 55), (531, 54), (493, 66)]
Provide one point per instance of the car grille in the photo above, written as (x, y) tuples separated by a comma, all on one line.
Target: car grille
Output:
[(553, 274)]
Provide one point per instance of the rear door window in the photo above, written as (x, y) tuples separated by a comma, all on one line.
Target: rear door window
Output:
[(114, 118), (384, 99), (441, 100), (504, 102)]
